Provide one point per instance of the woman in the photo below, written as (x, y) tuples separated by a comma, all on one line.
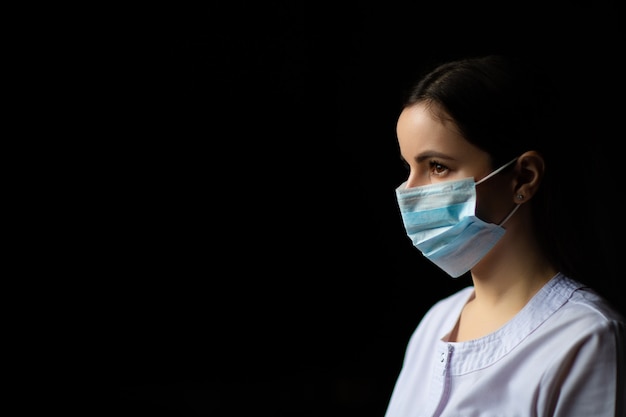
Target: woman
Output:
[(527, 338)]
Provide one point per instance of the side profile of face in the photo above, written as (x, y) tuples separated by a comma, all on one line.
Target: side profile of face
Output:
[(435, 151)]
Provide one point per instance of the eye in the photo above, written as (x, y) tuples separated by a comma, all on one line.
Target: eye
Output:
[(437, 169)]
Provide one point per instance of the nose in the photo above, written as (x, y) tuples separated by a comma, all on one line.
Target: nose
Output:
[(413, 180)]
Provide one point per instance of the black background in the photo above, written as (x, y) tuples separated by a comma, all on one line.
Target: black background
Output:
[(250, 258)]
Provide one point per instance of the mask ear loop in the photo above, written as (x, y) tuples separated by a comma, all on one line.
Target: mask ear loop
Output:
[(494, 173), (497, 170), (510, 214)]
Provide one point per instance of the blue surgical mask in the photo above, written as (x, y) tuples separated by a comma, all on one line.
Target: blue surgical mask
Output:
[(441, 222)]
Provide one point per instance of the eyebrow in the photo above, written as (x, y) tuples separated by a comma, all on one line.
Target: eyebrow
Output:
[(421, 157)]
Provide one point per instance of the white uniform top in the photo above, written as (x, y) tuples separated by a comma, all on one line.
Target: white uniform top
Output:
[(562, 355)]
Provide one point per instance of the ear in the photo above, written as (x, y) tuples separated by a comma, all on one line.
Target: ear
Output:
[(529, 170)]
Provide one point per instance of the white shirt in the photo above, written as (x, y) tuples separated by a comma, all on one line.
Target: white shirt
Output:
[(562, 355)]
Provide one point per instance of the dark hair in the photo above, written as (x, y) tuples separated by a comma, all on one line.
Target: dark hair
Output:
[(499, 103), (506, 106)]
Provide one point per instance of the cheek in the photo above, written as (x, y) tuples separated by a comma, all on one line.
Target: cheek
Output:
[(487, 202), (492, 202)]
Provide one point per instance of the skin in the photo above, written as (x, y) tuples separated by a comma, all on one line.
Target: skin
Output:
[(515, 269)]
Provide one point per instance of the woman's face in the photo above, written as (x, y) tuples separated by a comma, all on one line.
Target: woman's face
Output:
[(435, 152)]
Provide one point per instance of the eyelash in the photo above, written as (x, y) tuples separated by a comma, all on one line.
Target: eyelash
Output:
[(433, 165), (437, 169)]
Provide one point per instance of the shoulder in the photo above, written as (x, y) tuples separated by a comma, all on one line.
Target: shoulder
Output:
[(584, 303), (590, 303), (580, 313)]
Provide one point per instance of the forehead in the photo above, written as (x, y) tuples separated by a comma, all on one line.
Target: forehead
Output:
[(421, 128)]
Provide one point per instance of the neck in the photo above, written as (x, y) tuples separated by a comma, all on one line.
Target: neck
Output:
[(512, 272)]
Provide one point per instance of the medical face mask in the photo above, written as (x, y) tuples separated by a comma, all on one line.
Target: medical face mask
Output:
[(441, 221)]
